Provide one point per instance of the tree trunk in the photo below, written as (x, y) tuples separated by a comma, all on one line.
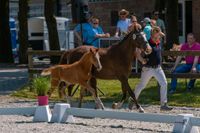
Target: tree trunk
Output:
[(52, 26), (5, 37), (172, 22), (23, 31), (160, 6)]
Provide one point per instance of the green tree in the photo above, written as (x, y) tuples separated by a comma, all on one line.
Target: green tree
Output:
[(5, 37), (160, 5), (23, 31), (52, 26)]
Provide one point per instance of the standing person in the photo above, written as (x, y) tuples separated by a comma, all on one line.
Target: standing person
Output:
[(96, 33), (152, 68), (123, 23), (153, 22), (192, 63), (133, 23), (160, 23), (130, 28), (86, 27), (147, 27)]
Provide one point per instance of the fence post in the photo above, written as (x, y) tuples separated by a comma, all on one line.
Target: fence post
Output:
[(60, 115), (30, 58), (30, 63), (42, 114), (183, 124)]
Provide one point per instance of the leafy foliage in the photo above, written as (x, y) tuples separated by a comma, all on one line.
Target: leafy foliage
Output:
[(41, 86)]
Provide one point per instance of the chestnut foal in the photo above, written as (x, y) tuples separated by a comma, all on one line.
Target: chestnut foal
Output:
[(77, 73)]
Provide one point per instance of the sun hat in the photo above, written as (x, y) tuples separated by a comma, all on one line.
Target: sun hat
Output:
[(147, 20), (123, 12)]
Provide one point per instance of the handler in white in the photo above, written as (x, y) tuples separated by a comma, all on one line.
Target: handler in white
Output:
[(152, 68)]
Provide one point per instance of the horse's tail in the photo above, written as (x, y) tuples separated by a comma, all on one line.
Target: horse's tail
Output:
[(46, 72), (64, 57)]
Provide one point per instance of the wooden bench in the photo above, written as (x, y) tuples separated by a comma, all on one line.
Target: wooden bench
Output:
[(35, 68)]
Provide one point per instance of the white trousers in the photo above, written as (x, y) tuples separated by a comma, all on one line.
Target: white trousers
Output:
[(146, 75)]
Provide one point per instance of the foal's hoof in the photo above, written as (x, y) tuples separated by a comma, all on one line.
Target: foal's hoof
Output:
[(131, 104)]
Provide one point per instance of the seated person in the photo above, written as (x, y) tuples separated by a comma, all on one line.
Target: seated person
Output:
[(96, 33), (175, 47), (192, 63), (123, 23)]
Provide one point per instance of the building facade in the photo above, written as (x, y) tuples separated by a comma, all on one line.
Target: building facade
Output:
[(107, 12)]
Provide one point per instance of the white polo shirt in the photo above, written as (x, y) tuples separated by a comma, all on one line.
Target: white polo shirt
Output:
[(123, 24)]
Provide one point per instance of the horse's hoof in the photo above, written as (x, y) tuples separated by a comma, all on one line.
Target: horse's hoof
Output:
[(141, 110), (114, 106)]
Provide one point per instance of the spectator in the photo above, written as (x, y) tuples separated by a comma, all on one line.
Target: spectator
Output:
[(123, 23), (130, 28), (192, 63), (133, 22), (152, 68), (153, 22), (138, 52), (86, 27), (147, 27), (96, 33), (160, 23)]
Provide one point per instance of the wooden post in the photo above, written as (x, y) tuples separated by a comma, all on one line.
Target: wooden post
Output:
[(30, 65), (30, 58)]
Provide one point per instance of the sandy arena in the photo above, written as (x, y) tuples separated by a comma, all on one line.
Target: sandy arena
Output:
[(24, 124)]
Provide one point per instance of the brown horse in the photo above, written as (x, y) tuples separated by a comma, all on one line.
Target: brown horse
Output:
[(116, 62), (77, 73)]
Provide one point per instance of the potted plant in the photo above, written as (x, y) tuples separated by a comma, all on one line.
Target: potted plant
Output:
[(41, 86)]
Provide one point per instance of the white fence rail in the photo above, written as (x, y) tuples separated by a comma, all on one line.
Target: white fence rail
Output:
[(147, 117), (182, 122), (18, 111)]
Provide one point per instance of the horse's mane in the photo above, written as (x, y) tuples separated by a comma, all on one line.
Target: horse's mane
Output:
[(135, 27)]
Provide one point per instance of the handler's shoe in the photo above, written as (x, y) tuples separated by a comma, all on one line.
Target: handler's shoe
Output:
[(165, 107), (171, 91)]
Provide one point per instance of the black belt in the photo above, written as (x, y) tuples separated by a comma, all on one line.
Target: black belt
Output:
[(152, 66)]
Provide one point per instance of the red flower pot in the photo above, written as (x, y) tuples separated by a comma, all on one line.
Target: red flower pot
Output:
[(43, 100)]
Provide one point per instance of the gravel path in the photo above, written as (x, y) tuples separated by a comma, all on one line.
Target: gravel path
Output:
[(24, 124)]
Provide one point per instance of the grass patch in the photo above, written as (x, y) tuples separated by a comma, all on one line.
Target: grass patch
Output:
[(150, 95)]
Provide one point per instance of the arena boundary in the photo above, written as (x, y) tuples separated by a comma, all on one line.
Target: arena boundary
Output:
[(182, 122)]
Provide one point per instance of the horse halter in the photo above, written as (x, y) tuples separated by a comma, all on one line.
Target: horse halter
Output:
[(134, 36)]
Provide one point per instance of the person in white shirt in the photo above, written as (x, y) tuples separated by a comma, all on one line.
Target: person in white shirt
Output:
[(123, 23)]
